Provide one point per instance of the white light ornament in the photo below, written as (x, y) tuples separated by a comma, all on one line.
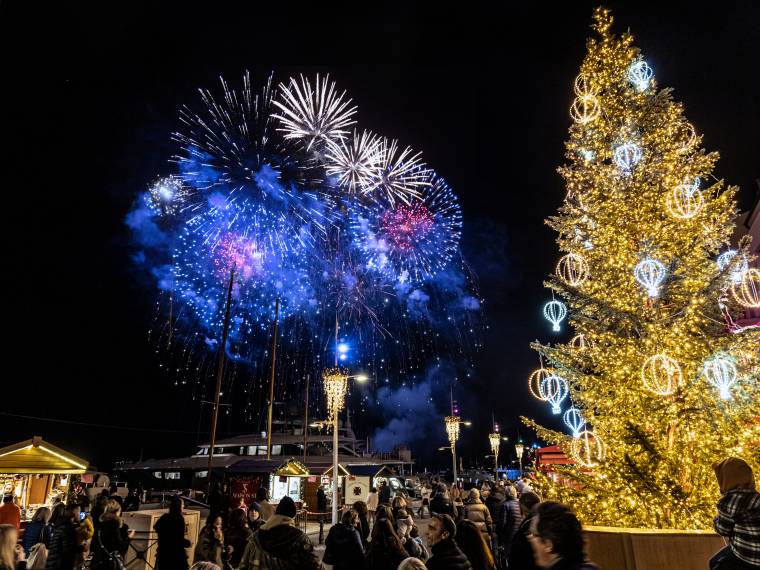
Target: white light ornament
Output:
[(685, 200), (555, 312), (585, 109), (650, 273), (627, 156), (580, 342), (574, 420), (724, 260), (661, 374), (747, 291), (572, 269), (720, 371), (535, 381), (588, 449), (554, 390), (640, 74)]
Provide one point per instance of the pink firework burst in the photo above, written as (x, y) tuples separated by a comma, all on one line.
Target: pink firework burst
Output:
[(405, 226), (240, 253)]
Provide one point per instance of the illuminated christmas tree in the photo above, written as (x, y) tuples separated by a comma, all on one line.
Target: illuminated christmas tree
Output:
[(660, 382)]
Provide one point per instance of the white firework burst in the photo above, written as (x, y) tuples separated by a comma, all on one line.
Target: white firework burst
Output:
[(355, 162), (316, 114), (402, 174)]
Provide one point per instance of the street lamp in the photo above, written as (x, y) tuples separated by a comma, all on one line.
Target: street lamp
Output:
[(336, 386), (495, 440), (519, 448), (452, 431)]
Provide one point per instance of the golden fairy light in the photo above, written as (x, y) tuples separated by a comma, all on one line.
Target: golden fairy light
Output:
[(585, 109), (572, 269), (581, 342), (452, 428), (535, 381), (684, 201), (661, 374), (747, 291), (587, 449), (336, 385)]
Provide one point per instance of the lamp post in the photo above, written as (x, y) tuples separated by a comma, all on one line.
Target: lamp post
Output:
[(452, 424), (519, 448), (336, 386), (495, 440)]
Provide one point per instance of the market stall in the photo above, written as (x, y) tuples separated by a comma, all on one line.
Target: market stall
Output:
[(37, 473), (288, 479)]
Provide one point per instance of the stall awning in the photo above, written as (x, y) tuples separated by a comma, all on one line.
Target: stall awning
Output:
[(292, 468), (38, 456)]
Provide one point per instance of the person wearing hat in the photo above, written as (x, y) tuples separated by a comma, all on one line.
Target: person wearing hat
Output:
[(738, 516), (445, 552), (279, 544)]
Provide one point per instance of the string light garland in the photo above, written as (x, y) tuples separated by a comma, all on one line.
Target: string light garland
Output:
[(661, 374), (588, 449), (572, 269), (720, 371), (627, 156), (554, 390), (555, 312), (574, 420), (650, 273), (747, 291), (336, 386)]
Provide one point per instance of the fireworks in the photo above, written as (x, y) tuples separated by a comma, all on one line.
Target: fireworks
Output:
[(167, 195), (402, 174), (317, 115), (409, 241), (272, 190), (355, 162)]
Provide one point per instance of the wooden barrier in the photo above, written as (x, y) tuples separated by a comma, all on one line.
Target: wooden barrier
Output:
[(651, 549)]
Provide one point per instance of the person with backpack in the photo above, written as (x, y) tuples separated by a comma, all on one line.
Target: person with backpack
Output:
[(112, 539)]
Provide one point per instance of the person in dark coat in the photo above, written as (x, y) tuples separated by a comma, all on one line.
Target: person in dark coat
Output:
[(363, 513), (132, 502), (254, 520), (556, 537), (113, 536), (279, 544), (39, 530), (343, 547), (65, 547), (172, 543), (441, 503), (445, 554), (508, 519), (211, 546), (321, 500), (385, 549), (520, 551), (98, 508), (384, 494), (237, 534)]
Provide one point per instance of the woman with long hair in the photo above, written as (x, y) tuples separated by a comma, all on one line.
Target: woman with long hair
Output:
[(343, 548), (363, 513), (385, 549), (210, 547), (112, 538), (470, 540), (12, 556), (39, 530)]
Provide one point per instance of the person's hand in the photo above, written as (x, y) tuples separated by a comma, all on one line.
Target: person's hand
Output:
[(131, 533), (20, 554)]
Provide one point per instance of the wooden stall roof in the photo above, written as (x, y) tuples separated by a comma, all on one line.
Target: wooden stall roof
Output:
[(38, 456), (292, 468)]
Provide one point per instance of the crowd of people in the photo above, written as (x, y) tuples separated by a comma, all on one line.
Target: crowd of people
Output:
[(495, 526)]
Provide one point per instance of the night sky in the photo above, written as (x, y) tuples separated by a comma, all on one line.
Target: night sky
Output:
[(90, 97)]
